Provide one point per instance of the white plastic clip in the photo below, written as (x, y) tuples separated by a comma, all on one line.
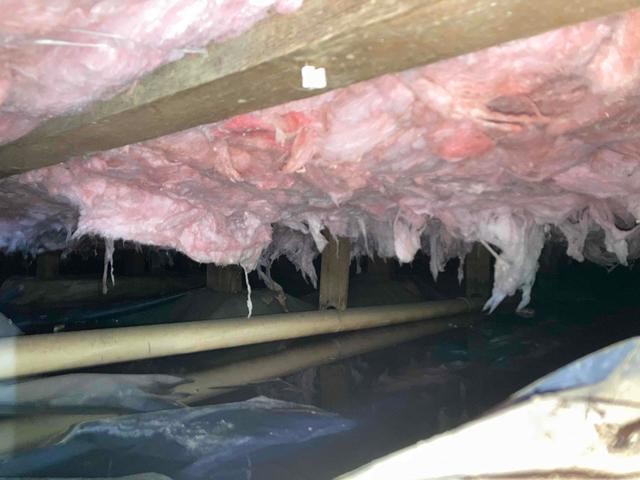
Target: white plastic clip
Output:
[(313, 78)]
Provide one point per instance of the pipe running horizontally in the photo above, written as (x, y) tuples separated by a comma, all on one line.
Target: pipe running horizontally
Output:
[(22, 432), (209, 383), (35, 354)]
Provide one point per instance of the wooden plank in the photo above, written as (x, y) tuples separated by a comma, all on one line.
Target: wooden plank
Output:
[(334, 274), (477, 275), (353, 39), (71, 290), (226, 279)]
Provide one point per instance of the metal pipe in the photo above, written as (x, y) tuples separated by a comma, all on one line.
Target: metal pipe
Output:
[(35, 354)]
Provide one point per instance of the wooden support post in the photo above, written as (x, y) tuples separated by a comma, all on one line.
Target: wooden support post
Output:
[(227, 279), (477, 272), (334, 274), (48, 265)]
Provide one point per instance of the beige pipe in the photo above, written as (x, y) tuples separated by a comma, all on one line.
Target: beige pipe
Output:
[(22, 432), (206, 384), (34, 354)]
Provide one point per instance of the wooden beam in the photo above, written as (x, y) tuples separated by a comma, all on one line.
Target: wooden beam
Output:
[(71, 290), (353, 39), (225, 279), (334, 274), (477, 272)]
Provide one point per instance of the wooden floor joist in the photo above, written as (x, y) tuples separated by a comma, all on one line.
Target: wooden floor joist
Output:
[(334, 274), (478, 272), (226, 279), (353, 40)]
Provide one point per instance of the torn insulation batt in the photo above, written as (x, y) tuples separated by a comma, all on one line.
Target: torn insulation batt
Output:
[(58, 56), (533, 140)]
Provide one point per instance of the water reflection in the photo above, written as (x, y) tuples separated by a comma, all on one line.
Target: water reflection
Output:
[(387, 388)]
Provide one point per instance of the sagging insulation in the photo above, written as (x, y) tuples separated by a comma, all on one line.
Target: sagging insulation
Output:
[(508, 147)]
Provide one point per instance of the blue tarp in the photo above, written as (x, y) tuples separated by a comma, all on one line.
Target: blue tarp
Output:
[(188, 443), (590, 370)]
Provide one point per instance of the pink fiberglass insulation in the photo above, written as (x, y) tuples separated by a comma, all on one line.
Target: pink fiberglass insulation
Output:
[(57, 56), (497, 146)]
